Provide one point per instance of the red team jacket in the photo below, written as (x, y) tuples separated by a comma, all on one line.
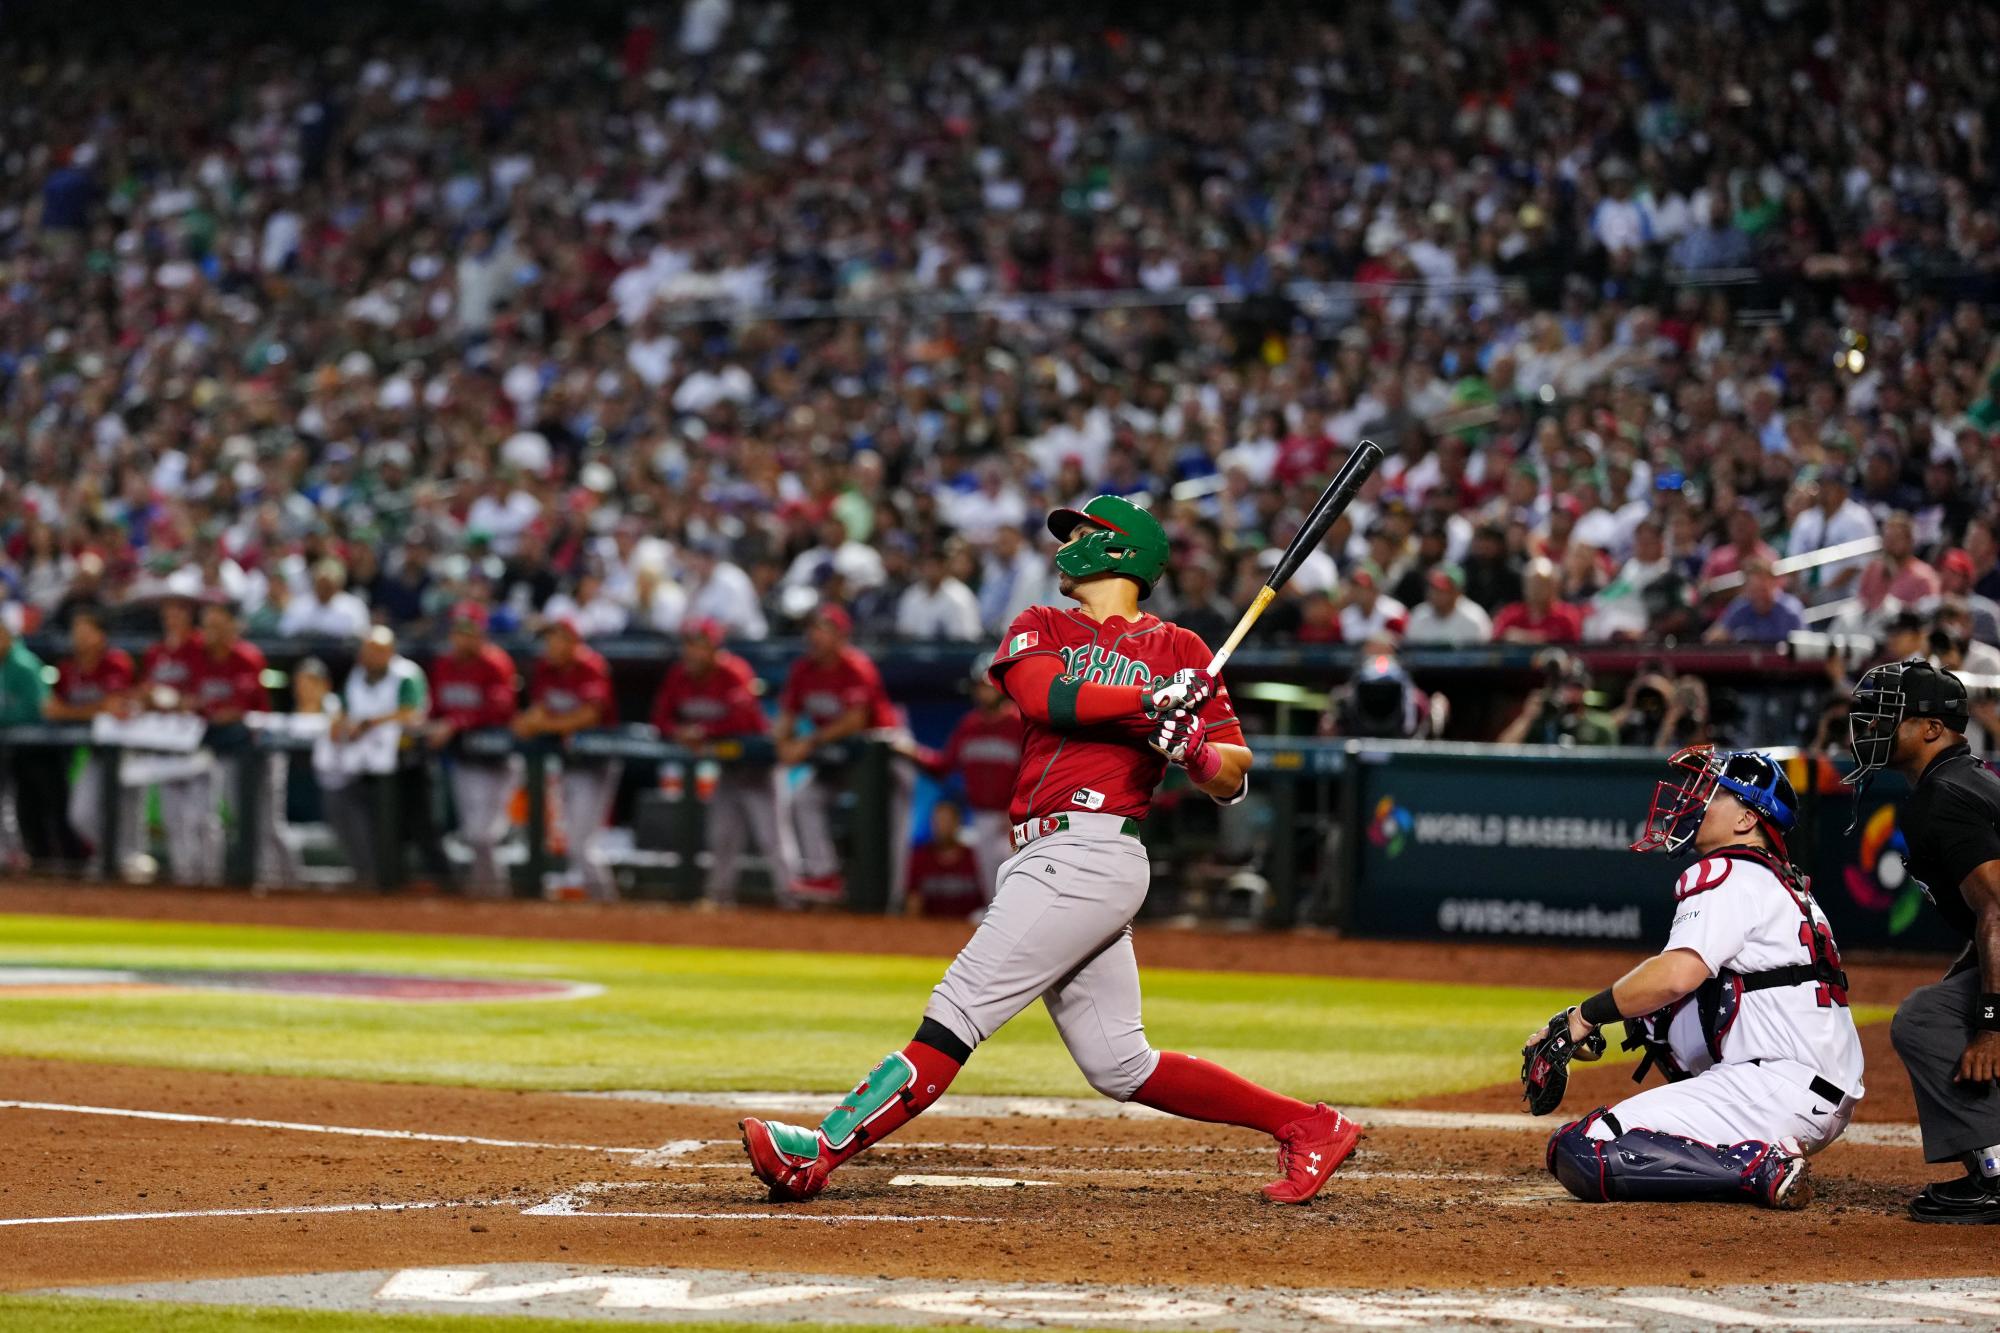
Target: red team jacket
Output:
[(236, 681), (586, 680), (474, 692), (111, 676), (173, 666), (948, 880), (824, 692), (1107, 769), (987, 750), (721, 701)]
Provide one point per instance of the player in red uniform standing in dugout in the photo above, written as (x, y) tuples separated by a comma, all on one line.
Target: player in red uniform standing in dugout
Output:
[(710, 696), (228, 685), (570, 691), (95, 678), (985, 750), (836, 692), (473, 688), (1111, 696), (944, 878)]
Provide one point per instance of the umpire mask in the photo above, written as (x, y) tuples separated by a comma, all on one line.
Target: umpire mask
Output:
[(1885, 697)]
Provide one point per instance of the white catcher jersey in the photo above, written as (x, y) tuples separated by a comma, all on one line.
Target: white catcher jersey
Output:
[(1738, 914)]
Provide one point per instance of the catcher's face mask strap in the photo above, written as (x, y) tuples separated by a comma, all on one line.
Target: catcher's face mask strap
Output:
[(1678, 806)]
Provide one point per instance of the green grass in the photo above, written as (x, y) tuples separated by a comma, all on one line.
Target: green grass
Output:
[(709, 1019), (64, 1314), (721, 1019)]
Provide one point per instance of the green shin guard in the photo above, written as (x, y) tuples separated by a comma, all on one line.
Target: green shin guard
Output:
[(885, 1083), (794, 1140)]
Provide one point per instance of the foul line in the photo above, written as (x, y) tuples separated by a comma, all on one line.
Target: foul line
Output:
[(355, 1131), (258, 1212)]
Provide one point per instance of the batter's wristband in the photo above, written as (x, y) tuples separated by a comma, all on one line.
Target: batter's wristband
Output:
[(1986, 1012), (1600, 1009), (1204, 764)]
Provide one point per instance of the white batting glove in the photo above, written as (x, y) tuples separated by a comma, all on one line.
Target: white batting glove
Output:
[(1186, 690)]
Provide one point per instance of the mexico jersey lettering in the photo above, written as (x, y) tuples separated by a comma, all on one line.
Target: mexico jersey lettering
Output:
[(1105, 769), (1735, 913)]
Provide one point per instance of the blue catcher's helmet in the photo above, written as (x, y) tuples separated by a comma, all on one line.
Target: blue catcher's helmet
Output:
[(1754, 779)]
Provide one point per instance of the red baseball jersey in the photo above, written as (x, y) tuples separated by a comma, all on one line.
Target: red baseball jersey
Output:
[(235, 680), (88, 687), (586, 680), (1106, 769), (947, 879), (173, 666), (475, 691), (986, 748), (721, 701), (823, 692)]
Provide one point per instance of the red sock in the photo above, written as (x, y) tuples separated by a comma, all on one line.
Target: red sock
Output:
[(935, 1071), (1196, 1089)]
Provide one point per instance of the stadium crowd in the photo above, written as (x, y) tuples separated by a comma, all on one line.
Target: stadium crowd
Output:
[(744, 311)]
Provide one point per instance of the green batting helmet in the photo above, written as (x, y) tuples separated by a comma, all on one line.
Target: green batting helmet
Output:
[(1126, 540)]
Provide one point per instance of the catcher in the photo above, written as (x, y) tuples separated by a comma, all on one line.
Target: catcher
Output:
[(1745, 1010)]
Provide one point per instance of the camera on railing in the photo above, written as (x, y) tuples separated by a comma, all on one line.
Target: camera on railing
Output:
[(1807, 645)]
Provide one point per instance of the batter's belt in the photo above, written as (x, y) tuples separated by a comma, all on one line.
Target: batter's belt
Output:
[(1100, 826)]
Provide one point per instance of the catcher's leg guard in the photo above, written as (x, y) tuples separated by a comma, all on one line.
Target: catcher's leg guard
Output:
[(1646, 1166)]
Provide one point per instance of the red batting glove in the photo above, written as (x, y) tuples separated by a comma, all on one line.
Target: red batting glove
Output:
[(1183, 739)]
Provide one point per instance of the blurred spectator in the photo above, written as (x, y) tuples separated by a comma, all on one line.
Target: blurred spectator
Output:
[(709, 696), (95, 678), (1492, 574), (1447, 615), (1663, 712), (945, 879), (1559, 711), (1897, 572), (1368, 611), (569, 691), (1538, 617), (1824, 514), (937, 606), (1955, 588), (472, 686), (720, 591), (1762, 613), (1744, 542), (329, 611)]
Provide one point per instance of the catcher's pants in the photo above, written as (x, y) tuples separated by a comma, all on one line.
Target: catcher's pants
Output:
[(988, 833), (86, 812), (1737, 1103), (744, 806), (1060, 929), (194, 829), (479, 792), (587, 791), (1929, 1032)]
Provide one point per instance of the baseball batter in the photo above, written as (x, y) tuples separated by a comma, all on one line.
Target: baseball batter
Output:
[(1746, 1008), (1111, 696)]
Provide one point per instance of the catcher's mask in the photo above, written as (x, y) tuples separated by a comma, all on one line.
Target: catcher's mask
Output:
[(1889, 694), (1678, 806)]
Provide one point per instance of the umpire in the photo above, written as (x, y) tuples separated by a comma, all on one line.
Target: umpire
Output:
[(1911, 717)]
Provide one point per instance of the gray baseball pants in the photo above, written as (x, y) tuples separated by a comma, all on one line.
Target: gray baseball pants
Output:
[(744, 806), (1930, 1031), (1060, 930), (587, 791), (479, 792)]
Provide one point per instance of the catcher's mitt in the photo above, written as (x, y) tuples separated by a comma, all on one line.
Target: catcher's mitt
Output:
[(1545, 1063)]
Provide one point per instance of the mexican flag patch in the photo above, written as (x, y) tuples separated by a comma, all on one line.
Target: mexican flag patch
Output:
[(1021, 642)]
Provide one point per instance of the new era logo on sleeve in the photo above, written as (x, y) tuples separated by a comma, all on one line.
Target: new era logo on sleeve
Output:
[(1021, 642)]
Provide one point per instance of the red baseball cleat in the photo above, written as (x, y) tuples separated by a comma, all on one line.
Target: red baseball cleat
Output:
[(790, 1159), (1310, 1149)]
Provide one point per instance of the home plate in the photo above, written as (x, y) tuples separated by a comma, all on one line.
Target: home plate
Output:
[(964, 1182)]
